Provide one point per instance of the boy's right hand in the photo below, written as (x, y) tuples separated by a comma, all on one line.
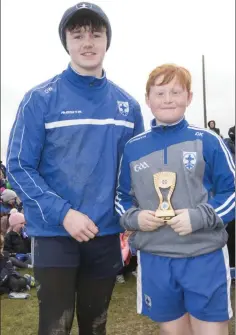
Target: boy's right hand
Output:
[(147, 221), (79, 226)]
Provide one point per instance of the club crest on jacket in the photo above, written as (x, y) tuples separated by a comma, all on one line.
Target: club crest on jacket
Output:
[(189, 159), (123, 107)]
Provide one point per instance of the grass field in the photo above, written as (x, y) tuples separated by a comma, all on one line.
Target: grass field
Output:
[(20, 317)]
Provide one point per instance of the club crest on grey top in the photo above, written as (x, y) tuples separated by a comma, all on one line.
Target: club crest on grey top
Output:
[(189, 159)]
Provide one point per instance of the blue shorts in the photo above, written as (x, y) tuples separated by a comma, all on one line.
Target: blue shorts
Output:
[(167, 288)]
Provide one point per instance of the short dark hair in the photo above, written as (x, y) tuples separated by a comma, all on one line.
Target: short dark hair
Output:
[(82, 20)]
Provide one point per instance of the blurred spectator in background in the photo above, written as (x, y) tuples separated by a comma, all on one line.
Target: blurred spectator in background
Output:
[(10, 200), (3, 169), (230, 141), (16, 239), (4, 223), (3, 181), (10, 280), (212, 126), (17, 243)]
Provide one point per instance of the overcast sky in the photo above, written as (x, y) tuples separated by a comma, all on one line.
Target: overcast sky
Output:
[(145, 34)]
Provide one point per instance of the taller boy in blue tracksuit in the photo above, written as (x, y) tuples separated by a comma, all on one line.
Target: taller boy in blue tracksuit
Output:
[(183, 272), (63, 159)]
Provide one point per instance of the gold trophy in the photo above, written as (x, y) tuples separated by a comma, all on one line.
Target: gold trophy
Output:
[(165, 184)]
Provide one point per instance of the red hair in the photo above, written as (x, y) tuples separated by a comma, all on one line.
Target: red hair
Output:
[(169, 72)]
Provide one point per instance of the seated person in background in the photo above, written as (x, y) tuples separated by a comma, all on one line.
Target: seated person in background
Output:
[(10, 280), (3, 169), (4, 223), (4, 219), (3, 184), (17, 241), (10, 200)]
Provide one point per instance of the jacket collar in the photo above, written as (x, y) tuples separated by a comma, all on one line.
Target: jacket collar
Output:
[(169, 128), (85, 81)]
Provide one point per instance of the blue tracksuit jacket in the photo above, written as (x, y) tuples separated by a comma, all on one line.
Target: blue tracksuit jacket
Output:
[(204, 184), (65, 147)]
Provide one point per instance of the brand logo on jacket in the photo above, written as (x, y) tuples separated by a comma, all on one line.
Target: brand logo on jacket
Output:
[(123, 107), (141, 166), (198, 133), (71, 112), (189, 159)]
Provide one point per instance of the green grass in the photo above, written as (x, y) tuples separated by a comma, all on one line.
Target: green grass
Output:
[(20, 317)]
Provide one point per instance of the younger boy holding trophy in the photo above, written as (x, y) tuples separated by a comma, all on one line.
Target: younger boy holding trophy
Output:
[(176, 194)]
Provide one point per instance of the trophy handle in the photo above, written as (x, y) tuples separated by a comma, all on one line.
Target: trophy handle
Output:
[(156, 180), (173, 183)]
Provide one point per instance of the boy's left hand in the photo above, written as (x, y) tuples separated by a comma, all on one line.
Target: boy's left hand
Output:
[(181, 222)]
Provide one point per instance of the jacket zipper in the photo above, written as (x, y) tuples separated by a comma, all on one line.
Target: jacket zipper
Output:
[(165, 147)]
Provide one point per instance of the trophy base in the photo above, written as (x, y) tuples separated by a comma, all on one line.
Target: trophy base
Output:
[(166, 215)]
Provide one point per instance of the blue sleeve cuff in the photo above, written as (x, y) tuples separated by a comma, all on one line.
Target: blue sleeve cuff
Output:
[(64, 211)]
